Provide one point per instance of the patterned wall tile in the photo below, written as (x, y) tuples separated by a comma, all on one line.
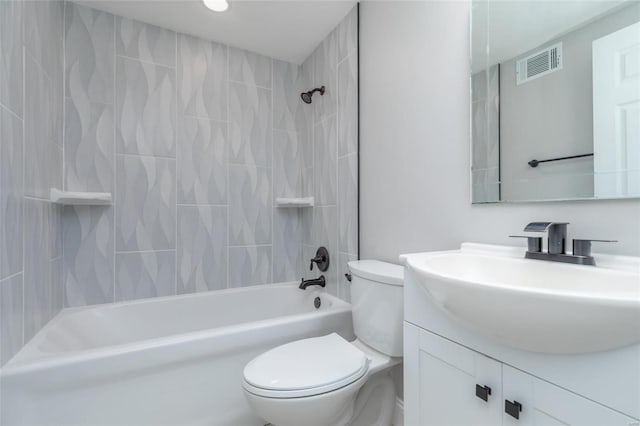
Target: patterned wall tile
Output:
[(202, 248), (348, 106), (287, 164), (10, 193), (146, 105), (289, 112), (348, 34), (10, 317), (143, 275), (344, 286), (348, 203), (55, 231), (249, 124), (11, 55), (325, 66), (202, 161), (56, 273), (145, 203), (88, 255), (37, 290), (250, 265), (43, 33), (146, 42), (325, 156), (287, 250), (202, 78), (325, 231), (250, 203), (89, 151), (89, 54), (249, 68)]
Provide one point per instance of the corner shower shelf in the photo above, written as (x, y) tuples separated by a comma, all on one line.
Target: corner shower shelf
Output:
[(80, 198), (295, 202)]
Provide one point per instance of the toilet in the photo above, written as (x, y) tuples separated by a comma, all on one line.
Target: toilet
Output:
[(327, 380)]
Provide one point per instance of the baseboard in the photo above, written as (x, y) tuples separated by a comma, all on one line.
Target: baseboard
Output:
[(398, 414)]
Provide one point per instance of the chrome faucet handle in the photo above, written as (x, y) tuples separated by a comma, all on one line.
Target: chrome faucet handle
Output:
[(582, 247), (556, 231)]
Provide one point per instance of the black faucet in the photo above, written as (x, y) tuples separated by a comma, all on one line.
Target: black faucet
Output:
[(306, 283)]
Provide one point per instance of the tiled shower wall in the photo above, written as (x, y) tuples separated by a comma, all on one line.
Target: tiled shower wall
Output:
[(194, 139), (330, 166), (31, 127)]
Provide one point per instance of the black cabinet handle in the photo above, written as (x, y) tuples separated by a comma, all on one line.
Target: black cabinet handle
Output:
[(512, 408), (483, 392)]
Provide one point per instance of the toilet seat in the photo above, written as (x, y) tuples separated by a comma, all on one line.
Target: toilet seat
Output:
[(305, 368)]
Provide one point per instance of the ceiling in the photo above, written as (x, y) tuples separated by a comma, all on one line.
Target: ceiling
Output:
[(286, 30), (515, 27)]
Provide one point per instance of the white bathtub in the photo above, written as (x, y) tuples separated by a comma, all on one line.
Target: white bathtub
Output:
[(166, 361)]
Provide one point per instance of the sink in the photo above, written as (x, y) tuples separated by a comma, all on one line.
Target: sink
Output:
[(534, 305)]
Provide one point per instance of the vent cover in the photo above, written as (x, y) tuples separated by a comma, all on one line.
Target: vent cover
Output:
[(539, 64)]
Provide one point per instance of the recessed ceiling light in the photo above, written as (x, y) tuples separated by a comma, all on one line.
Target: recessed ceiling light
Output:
[(216, 5)]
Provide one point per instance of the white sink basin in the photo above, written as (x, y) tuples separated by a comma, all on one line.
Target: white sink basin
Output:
[(535, 305)]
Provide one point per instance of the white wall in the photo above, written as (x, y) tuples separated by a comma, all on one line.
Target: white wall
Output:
[(414, 152)]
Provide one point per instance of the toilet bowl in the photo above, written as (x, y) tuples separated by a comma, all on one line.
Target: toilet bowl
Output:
[(328, 380)]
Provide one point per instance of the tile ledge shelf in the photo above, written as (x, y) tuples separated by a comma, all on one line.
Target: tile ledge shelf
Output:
[(79, 198), (294, 202)]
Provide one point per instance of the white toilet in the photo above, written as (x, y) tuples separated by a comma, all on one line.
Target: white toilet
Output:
[(327, 381)]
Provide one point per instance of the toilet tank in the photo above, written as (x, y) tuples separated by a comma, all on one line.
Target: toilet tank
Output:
[(377, 303)]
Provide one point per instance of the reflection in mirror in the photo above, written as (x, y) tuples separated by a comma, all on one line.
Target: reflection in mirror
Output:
[(555, 104)]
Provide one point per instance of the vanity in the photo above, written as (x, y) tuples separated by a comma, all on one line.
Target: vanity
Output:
[(492, 338)]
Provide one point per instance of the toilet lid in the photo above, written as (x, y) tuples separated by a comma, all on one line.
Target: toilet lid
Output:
[(305, 367)]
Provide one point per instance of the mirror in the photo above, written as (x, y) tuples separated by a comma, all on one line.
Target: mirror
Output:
[(555, 100)]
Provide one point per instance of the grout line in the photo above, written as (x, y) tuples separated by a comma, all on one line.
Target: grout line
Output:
[(115, 156), (175, 144), (144, 61), (144, 251), (272, 200), (10, 277), (23, 212), (10, 111), (200, 205), (157, 157), (227, 160), (63, 278)]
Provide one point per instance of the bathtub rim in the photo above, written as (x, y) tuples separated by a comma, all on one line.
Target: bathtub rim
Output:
[(30, 360)]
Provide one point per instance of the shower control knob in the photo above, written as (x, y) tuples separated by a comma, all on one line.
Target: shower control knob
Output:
[(321, 259)]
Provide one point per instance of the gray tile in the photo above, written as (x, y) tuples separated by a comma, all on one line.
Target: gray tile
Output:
[(202, 78), (325, 66), (143, 275), (348, 34), (41, 161), (56, 273), (88, 255), (289, 112), (202, 248), (344, 286), (89, 55), (250, 124), (250, 205), (325, 157), (11, 191), (146, 108), (10, 317), (145, 203), (89, 146), (37, 284), (249, 265), (146, 42), (11, 55), (348, 106), (287, 164), (249, 68), (55, 231), (43, 33), (287, 245), (325, 233), (348, 203), (202, 161)]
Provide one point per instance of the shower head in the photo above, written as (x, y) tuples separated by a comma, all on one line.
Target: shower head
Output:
[(306, 96)]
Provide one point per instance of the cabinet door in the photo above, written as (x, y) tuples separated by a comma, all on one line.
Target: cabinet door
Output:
[(441, 379), (544, 404)]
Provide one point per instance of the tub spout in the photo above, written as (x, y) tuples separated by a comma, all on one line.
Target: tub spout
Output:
[(306, 283)]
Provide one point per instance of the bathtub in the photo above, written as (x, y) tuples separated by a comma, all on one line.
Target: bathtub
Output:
[(166, 361)]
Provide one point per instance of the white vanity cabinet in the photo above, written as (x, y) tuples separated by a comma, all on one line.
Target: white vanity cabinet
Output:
[(446, 383)]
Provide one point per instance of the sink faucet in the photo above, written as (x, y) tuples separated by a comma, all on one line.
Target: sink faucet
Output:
[(556, 247), (306, 283)]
